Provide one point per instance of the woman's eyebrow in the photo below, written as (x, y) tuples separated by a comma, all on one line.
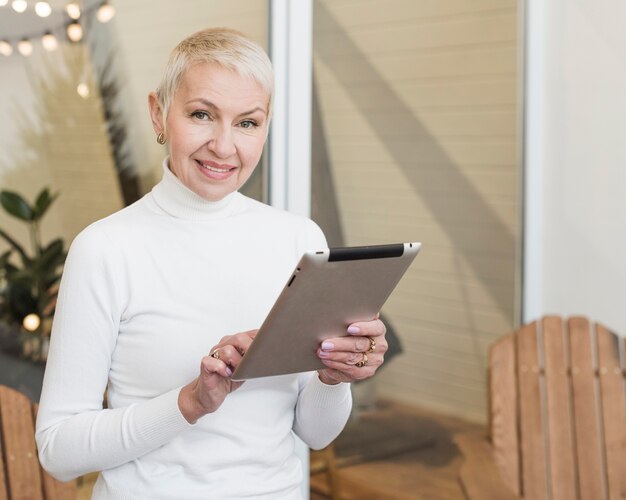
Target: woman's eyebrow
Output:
[(258, 108), (209, 104)]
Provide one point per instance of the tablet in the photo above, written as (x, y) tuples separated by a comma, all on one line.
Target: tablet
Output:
[(327, 291)]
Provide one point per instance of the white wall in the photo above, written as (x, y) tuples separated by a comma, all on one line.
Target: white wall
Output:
[(575, 259)]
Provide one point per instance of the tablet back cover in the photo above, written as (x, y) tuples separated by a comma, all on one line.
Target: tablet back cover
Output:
[(327, 291)]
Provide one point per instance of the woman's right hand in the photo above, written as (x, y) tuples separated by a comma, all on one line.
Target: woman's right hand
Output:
[(209, 390)]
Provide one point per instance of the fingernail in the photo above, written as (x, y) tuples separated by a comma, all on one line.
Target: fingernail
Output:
[(354, 329), (327, 346), (229, 371), (324, 354)]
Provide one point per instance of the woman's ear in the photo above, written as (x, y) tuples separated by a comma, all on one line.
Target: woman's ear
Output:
[(156, 113)]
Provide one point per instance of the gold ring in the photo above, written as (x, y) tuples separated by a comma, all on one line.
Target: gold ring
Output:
[(215, 354), (372, 345), (363, 362)]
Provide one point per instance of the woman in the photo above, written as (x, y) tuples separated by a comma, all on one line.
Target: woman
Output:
[(156, 290)]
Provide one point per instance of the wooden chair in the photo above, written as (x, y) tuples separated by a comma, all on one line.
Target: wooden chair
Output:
[(557, 416), (323, 462), (21, 476)]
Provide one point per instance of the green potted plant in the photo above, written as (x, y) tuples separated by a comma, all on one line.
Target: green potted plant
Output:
[(28, 279)]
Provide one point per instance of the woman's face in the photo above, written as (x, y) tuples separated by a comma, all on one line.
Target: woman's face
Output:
[(216, 128)]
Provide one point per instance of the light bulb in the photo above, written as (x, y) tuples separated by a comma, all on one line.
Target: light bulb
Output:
[(49, 42), (19, 5), (74, 32), (106, 12), (6, 49), (83, 90), (25, 47), (43, 9), (73, 10), (31, 322)]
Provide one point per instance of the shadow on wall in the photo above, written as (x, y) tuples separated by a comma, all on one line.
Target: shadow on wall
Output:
[(396, 122)]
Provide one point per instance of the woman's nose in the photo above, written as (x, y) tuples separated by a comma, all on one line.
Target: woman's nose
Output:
[(222, 142)]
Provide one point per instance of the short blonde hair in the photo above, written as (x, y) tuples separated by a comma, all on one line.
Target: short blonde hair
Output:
[(226, 47)]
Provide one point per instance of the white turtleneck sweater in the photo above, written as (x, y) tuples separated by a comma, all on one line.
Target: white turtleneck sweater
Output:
[(145, 294)]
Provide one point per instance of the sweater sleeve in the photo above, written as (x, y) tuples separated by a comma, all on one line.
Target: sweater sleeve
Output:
[(321, 411), (74, 434)]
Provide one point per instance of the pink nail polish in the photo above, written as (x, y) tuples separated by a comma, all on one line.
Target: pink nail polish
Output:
[(327, 346), (354, 329)]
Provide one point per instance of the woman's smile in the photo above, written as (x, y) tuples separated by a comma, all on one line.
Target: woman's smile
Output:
[(214, 170)]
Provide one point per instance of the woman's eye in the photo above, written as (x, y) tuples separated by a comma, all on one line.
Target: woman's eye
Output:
[(201, 115), (248, 124)]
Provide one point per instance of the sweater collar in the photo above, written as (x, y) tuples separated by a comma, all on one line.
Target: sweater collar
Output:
[(173, 197)]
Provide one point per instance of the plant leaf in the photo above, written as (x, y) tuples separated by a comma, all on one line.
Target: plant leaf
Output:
[(51, 258), (4, 258), (16, 205), (43, 202), (14, 244)]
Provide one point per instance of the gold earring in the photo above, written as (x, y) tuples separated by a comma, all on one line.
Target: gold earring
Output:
[(161, 138)]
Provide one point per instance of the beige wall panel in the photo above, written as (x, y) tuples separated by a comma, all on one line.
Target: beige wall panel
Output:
[(457, 64), (443, 287), (364, 12), (451, 214), (426, 95), (435, 393), (440, 34), (450, 123), (418, 102), (67, 146)]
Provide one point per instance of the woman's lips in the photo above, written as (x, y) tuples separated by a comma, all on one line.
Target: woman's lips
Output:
[(214, 170)]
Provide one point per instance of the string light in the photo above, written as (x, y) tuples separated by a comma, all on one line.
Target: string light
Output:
[(43, 9), (103, 11), (49, 42), (75, 32), (83, 90), (25, 47), (6, 49), (73, 10), (106, 12), (19, 5), (31, 322)]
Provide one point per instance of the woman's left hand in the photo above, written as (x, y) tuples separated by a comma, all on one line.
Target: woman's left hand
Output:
[(356, 356)]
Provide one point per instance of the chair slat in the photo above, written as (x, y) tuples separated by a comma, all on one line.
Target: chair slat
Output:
[(52, 488), (587, 429), (56, 490), (531, 430), (4, 495), (613, 411), (503, 411), (479, 474), (559, 416), (20, 451)]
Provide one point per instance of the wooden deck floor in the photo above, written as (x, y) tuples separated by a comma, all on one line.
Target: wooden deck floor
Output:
[(395, 452), (392, 452)]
